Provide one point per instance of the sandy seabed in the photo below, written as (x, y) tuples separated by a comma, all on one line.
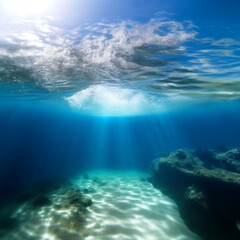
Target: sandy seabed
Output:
[(125, 206)]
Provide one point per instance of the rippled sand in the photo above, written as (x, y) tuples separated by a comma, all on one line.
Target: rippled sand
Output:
[(126, 207)]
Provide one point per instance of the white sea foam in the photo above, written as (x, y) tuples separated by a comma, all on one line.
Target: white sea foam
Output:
[(146, 53), (109, 43), (108, 100), (57, 58)]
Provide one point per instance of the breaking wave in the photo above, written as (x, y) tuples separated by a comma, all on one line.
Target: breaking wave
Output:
[(58, 59), (113, 101)]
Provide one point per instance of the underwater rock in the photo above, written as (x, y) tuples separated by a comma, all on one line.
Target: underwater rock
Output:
[(205, 184), (87, 202), (192, 193), (74, 198), (61, 204)]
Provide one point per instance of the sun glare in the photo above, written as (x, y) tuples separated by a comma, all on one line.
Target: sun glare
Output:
[(27, 7)]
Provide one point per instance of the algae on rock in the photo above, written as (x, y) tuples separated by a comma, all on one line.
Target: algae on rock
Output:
[(205, 183)]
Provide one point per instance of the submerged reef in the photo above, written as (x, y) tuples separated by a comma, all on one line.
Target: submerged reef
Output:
[(49, 210), (205, 184)]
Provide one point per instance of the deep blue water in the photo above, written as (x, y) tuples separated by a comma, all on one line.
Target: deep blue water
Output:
[(42, 139)]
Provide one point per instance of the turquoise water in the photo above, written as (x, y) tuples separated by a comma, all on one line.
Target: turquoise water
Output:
[(88, 90), (44, 139)]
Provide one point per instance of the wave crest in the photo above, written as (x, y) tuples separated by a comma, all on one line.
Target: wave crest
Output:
[(54, 58), (113, 101)]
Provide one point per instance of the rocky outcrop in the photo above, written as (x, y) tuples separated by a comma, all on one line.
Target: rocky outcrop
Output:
[(205, 184), (57, 208)]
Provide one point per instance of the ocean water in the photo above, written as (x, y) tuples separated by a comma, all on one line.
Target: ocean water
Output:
[(41, 140), (93, 99)]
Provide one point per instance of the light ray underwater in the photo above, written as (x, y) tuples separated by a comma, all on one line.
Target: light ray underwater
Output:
[(119, 120)]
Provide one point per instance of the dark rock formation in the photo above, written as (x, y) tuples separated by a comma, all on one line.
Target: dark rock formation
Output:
[(61, 203), (206, 186)]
